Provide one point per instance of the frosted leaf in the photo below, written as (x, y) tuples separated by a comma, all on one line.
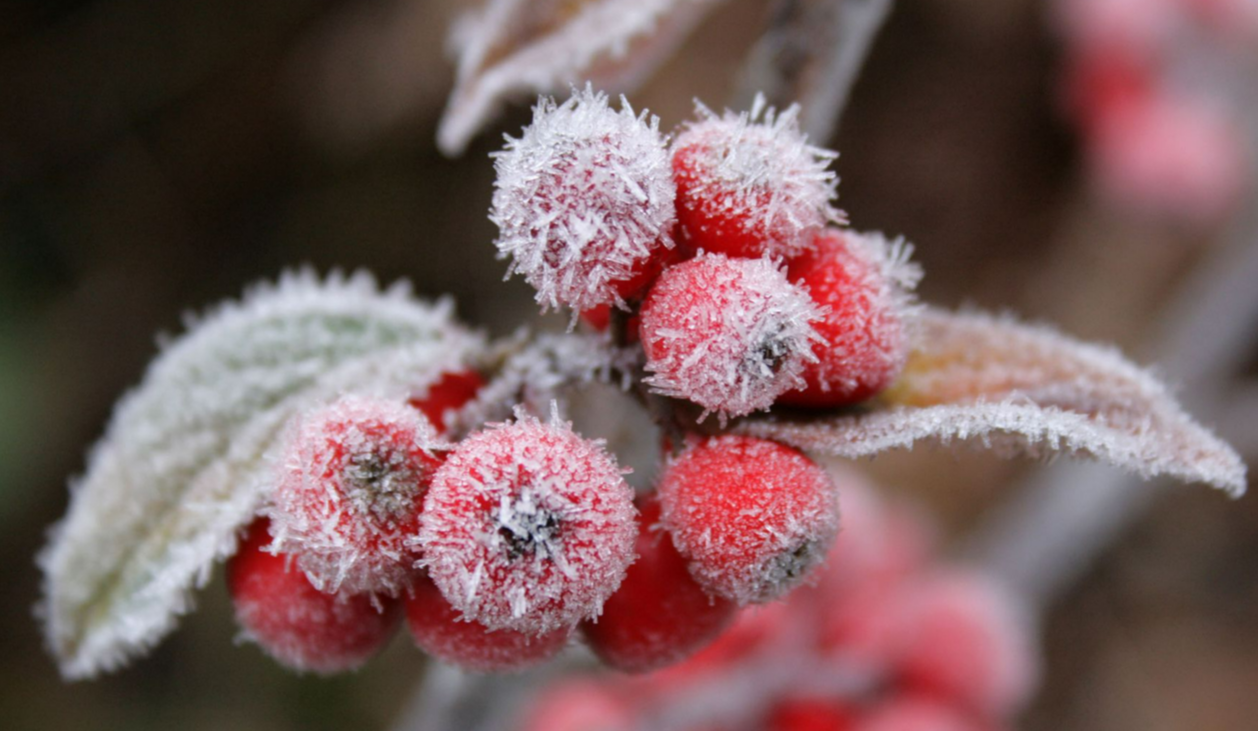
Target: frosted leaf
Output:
[(181, 466), (1025, 389), (583, 200), (525, 47)]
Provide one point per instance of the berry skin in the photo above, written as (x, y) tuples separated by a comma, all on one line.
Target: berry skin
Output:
[(963, 641), (752, 516), (300, 626), (860, 281), (450, 392), (528, 526), (659, 615), (438, 630), (584, 201), (728, 334), (349, 494), (751, 188), (809, 714)]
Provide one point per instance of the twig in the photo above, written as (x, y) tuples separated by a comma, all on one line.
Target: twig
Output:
[(812, 53)]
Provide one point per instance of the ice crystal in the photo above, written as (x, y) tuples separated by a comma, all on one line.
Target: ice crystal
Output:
[(728, 334), (528, 527), (181, 466), (583, 200), (1022, 388), (750, 186)]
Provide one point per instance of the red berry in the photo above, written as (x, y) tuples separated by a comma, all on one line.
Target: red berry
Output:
[(753, 517), (728, 334), (439, 630), (583, 200), (300, 626), (748, 188), (860, 282), (659, 615), (349, 493), (907, 712), (964, 640), (450, 392), (528, 526), (809, 714)]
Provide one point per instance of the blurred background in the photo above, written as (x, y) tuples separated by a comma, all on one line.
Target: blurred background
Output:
[(156, 157)]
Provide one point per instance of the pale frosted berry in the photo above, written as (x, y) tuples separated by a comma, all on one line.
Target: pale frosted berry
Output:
[(753, 517), (728, 334), (964, 640), (583, 200), (450, 392), (861, 282), (751, 188), (528, 526), (439, 630), (301, 627), (659, 615), (579, 705), (349, 493)]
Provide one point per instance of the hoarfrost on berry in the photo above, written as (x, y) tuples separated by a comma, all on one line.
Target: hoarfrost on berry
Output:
[(728, 334), (349, 491), (583, 200), (528, 526), (750, 188)]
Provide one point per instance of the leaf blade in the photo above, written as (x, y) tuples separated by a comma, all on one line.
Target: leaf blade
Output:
[(1022, 388)]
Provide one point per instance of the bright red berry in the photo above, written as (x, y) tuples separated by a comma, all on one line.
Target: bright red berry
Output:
[(584, 200), (752, 516), (528, 526), (728, 334), (964, 640), (860, 281), (751, 188), (659, 615), (450, 392), (439, 630), (809, 714), (349, 493), (300, 626)]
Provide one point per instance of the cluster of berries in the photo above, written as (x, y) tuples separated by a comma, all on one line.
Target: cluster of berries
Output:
[(1154, 142), (887, 639), (499, 547), (720, 248)]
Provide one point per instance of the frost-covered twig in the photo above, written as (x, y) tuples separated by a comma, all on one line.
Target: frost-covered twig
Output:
[(1051, 530), (812, 54)]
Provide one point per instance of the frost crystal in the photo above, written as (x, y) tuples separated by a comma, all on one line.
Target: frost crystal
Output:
[(728, 334), (583, 200), (349, 491), (528, 527), (748, 187), (180, 468)]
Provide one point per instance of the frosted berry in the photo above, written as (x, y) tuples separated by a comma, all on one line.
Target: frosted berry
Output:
[(450, 392), (861, 282), (439, 630), (728, 334), (300, 626), (528, 526), (751, 188), (964, 641), (349, 493), (659, 615), (753, 517), (584, 200)]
